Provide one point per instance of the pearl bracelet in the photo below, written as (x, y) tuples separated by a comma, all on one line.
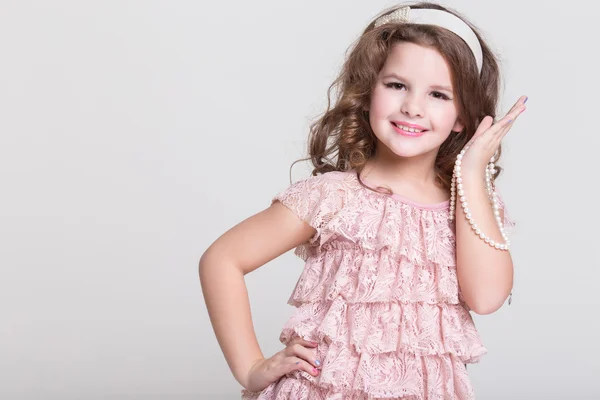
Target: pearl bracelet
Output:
[(457, 184)]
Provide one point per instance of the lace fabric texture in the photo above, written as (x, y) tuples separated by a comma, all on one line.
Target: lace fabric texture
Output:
[(379, 293)]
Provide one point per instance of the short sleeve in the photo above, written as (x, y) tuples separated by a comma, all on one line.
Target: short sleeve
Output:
[(316, 200)]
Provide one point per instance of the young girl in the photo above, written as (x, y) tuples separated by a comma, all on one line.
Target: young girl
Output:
[(400, 226)]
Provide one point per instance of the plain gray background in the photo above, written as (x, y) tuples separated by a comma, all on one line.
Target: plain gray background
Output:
[(134, 133)]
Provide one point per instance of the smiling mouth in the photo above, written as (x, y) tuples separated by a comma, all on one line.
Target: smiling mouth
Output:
[(409, 131)]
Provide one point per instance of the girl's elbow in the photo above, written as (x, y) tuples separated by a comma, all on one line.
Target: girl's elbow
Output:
[(485, 307), (484, 310)]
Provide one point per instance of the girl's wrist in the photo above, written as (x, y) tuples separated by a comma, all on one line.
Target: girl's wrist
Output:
[(243, 377), (473, 175)]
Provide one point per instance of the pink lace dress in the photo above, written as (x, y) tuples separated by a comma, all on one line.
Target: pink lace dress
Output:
[(379, 293)]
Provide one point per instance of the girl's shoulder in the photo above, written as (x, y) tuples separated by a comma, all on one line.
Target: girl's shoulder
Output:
[(331, 186), (319, 195), (332, 177)]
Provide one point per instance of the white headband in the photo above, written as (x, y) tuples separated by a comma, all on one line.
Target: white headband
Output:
[(427, 16)]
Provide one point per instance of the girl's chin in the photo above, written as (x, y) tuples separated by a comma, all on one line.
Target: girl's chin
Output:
[(410, 147), (409, 151)]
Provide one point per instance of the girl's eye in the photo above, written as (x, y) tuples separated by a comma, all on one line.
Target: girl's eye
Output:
[(441, 96), (395, 85)]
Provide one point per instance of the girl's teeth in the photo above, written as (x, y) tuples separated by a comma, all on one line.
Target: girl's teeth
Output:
[(404, 128)]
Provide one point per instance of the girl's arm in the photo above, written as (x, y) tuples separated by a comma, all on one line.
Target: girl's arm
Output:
[(245, 247), (485, 275)]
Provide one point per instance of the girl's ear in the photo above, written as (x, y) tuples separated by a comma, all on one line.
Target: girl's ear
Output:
[(458, 126)]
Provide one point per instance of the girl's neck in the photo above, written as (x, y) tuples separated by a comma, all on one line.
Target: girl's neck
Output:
[(393, 170), (412, 178)]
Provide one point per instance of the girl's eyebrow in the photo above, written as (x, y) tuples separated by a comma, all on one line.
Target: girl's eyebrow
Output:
[(400, 78)]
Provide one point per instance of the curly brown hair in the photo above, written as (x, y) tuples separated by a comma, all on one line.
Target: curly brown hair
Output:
[(341, 139)]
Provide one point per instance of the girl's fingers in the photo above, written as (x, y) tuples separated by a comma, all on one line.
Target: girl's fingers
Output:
[(501, 124), (509, 122), (520, 102), (298, 364), (494, 132), (511, 115), (305, 343), (499, 128), (484, 125), (298, 350)]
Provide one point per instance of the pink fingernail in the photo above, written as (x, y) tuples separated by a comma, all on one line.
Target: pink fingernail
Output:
[(316, 371)]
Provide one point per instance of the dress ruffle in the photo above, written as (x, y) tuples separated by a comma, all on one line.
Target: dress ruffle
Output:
[(345, 270), (377, 328), (347, 212)]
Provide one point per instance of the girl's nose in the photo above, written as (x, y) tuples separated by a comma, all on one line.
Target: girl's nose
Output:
[(412, 106)]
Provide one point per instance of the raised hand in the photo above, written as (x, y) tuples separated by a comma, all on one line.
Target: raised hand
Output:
[(486, 140)]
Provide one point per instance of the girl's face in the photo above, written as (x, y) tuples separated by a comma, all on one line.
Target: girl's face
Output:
[(413, 90)]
